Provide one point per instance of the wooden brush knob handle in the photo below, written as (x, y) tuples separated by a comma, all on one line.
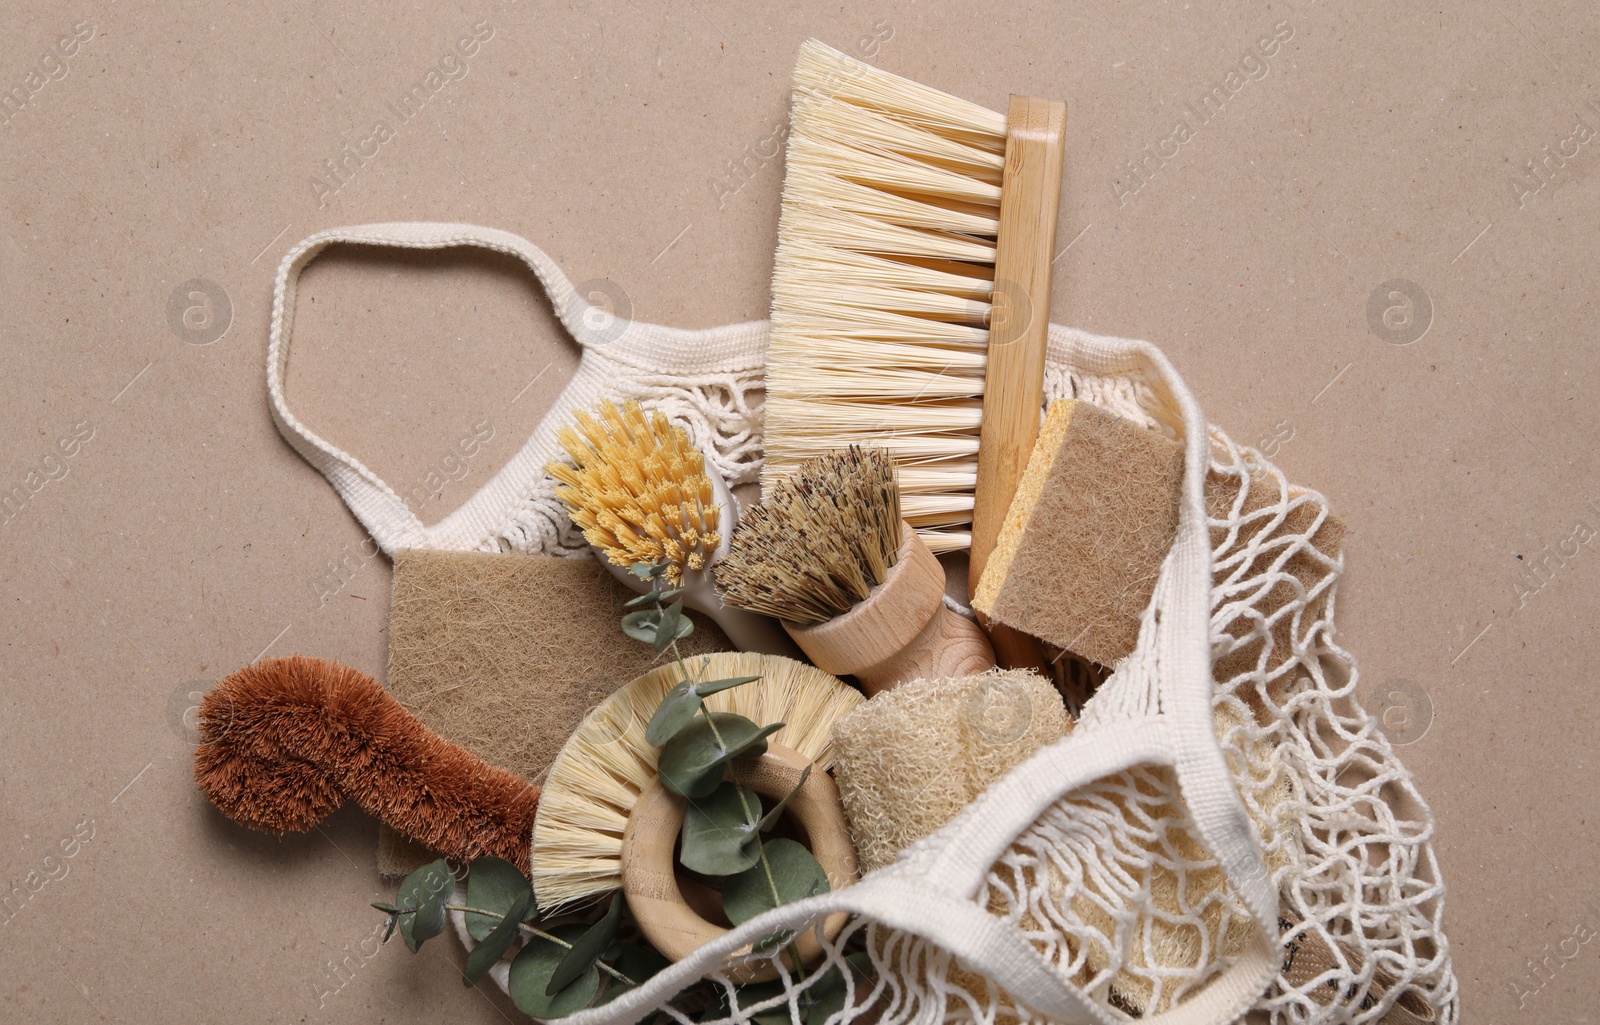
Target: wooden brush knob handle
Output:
[(649, 869), (899, 632)]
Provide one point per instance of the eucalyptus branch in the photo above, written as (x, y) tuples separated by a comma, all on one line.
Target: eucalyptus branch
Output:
[(541, 934)]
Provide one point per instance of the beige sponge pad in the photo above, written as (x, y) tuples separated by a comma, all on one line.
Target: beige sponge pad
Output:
[(505, 654), (1080, 549), (1078, 556), (912, 757)]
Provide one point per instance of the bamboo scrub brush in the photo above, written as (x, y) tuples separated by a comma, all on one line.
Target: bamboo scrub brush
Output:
[(911, 289), (640, 491), (828, 555), (594, 783)]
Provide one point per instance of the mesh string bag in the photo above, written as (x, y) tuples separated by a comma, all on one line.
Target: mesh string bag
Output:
[(1222, 807), (1222, 800)]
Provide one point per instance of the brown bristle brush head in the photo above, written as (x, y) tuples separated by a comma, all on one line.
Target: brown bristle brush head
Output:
[(820, 542), (638, 489), (861, 594), (286, 741)]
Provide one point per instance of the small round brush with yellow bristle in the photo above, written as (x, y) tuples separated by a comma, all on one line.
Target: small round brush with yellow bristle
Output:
[(828, 554), (641, 493)]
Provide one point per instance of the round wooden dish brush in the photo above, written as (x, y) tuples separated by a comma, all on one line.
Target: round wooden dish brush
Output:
[(828, 555), (595, 782)]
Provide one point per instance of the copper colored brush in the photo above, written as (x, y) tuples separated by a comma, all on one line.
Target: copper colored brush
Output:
[(286, 741)]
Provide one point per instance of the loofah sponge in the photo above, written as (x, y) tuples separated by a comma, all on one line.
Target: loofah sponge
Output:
[(912, 757), (1092, 521), (504, 654)]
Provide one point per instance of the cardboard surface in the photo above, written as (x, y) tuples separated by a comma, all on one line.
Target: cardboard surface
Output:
[(1371, 253)]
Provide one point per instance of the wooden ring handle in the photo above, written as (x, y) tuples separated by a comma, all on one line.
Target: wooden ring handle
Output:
[(900, 631), (649, 870)]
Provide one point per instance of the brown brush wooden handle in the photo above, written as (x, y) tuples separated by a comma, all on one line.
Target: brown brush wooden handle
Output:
[(1030, 196), (649, 868), (901, 631)]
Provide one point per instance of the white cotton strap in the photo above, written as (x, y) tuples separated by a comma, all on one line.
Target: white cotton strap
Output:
[(619, 359), (383, 512)]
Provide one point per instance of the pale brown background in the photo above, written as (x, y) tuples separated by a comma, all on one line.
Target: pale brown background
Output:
[(187, 538)]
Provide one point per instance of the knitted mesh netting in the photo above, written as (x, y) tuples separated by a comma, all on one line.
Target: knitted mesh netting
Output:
[(1112, 883), (1134, 867)]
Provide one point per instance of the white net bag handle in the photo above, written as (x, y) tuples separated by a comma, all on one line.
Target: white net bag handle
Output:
[(1155, 710), (609, 346)]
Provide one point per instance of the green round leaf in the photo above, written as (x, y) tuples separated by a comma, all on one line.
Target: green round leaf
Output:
[(493, 884), (423, 894), (795, 875), (719, 833), (674, 626), (642, 625), (494, 946), (531, 972), (588, 947), (675, 712), (692, 762)]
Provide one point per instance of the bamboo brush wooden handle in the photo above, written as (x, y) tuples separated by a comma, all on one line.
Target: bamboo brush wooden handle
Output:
[(669, 919), (1030, 196), (899, 632)]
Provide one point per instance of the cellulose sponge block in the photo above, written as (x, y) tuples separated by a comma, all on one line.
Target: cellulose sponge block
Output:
[(505, 653), (1096, 510), (1093, 518), (913, 756)]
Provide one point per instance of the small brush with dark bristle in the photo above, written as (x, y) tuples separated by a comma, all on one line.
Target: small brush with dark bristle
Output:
[(820, 543), (828, 555)]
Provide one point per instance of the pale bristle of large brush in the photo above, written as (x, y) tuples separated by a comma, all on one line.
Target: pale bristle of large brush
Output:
[(819, 542), (598, 776), (638, 489), (882, 283)]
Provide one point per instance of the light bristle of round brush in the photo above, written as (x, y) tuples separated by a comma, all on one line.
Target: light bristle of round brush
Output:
[(638, 489), (596, 779), (883, 281), (819, 542)]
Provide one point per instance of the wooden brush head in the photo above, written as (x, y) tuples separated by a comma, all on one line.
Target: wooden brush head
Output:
[(638, 489), (820, 542)]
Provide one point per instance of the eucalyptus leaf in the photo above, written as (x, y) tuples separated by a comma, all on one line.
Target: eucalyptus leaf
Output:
[(422, 897), (647, 570), (719, 833), (494, 946), (673, 714), (493, 885), (639, 962), (641, 625), (794, 875), (533, 967), (706, 688), (586, 950), (771, 818), (653, 598), (681, 704), (692, 762), (674, 626)]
